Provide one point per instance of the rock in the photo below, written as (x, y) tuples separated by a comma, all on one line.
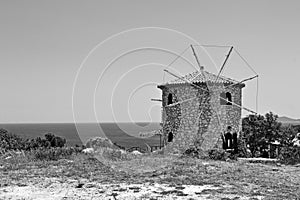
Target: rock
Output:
[(123, 151), (90, 185), (80, 185), (99, 142), (21, 184), (88, 150), (179, 187), (136, 152)]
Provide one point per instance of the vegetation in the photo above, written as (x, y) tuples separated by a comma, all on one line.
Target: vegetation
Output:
[(218, 154), (50, 147), (260, 132), (290, 155), (261, 136), (52, 153), (237, 179), (9, 141), (33, 162)]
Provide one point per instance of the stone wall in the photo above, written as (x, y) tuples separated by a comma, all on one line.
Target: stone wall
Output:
[(200, 120)]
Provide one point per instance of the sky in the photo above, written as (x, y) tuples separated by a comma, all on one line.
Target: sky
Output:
[(87, 61)]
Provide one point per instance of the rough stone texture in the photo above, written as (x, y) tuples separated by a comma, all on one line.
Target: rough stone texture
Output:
[(201, 120)]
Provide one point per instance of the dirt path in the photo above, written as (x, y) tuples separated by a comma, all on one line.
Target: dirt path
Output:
[(147, 177), (73, 190)]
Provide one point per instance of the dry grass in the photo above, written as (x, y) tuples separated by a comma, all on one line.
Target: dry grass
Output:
[(269, 181)]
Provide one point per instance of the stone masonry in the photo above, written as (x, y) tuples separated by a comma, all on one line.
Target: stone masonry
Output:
[(195, 116)]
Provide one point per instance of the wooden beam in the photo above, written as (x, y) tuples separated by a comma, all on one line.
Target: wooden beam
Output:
[(247, 79), (181, 78), (179, 102), (223, 65), (247, 109), (156, 100), (194, 52)]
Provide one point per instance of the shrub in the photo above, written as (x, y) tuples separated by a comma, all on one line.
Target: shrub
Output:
[(218, 154), (9, 141), (195, 151), (49, 148), (106, 154), (55, 141), (99, 142), (52, 153), (290, 155), (259, 131), (214, 154), (115, 154), (243, 151)]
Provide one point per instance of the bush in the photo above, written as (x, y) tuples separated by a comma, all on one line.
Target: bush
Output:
[(55, 141), (259, 131), (195, 151), (9, 141), (290, 155), (114, 154), (53, 153), (243, 151), (49, 148), (218, 154), (99, 143)]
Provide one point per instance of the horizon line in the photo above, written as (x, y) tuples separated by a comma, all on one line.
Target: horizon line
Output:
[(84, 122)]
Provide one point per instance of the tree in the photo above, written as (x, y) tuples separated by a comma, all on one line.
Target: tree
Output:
[(259, 131), (272, 127), (253, 132), (49, 136), (288, 133), (55, 141)]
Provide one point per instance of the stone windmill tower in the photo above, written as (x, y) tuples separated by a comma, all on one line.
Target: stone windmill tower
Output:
[(199, 107)]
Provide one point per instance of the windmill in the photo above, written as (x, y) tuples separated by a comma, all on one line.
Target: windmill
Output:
[(200, 106)]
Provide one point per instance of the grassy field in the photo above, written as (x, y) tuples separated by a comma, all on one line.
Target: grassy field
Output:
[(84, 176)]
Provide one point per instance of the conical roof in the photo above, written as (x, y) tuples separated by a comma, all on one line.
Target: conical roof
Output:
[(201, 77)]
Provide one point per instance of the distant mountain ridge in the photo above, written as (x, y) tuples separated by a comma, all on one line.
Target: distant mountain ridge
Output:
[(287, 120)]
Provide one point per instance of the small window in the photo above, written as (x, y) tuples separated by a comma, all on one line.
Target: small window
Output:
[(225, 98), (170, 137), (228, 98), (170, 99)]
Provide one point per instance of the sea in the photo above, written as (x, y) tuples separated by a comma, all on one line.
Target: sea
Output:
[(124, 134)]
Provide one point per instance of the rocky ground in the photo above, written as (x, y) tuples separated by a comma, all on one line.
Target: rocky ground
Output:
[(94, 190), (146, 177)]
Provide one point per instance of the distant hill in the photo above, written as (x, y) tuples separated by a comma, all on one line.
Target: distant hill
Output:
[(287, 120)]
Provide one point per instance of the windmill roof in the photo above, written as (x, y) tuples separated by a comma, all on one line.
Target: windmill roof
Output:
[(198, 77)]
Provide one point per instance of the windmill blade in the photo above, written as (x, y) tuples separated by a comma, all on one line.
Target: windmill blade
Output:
[(156, 100), (223, 65), (179, 102), (198, 62), (242, 81), (235, 104), (181, 78)]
